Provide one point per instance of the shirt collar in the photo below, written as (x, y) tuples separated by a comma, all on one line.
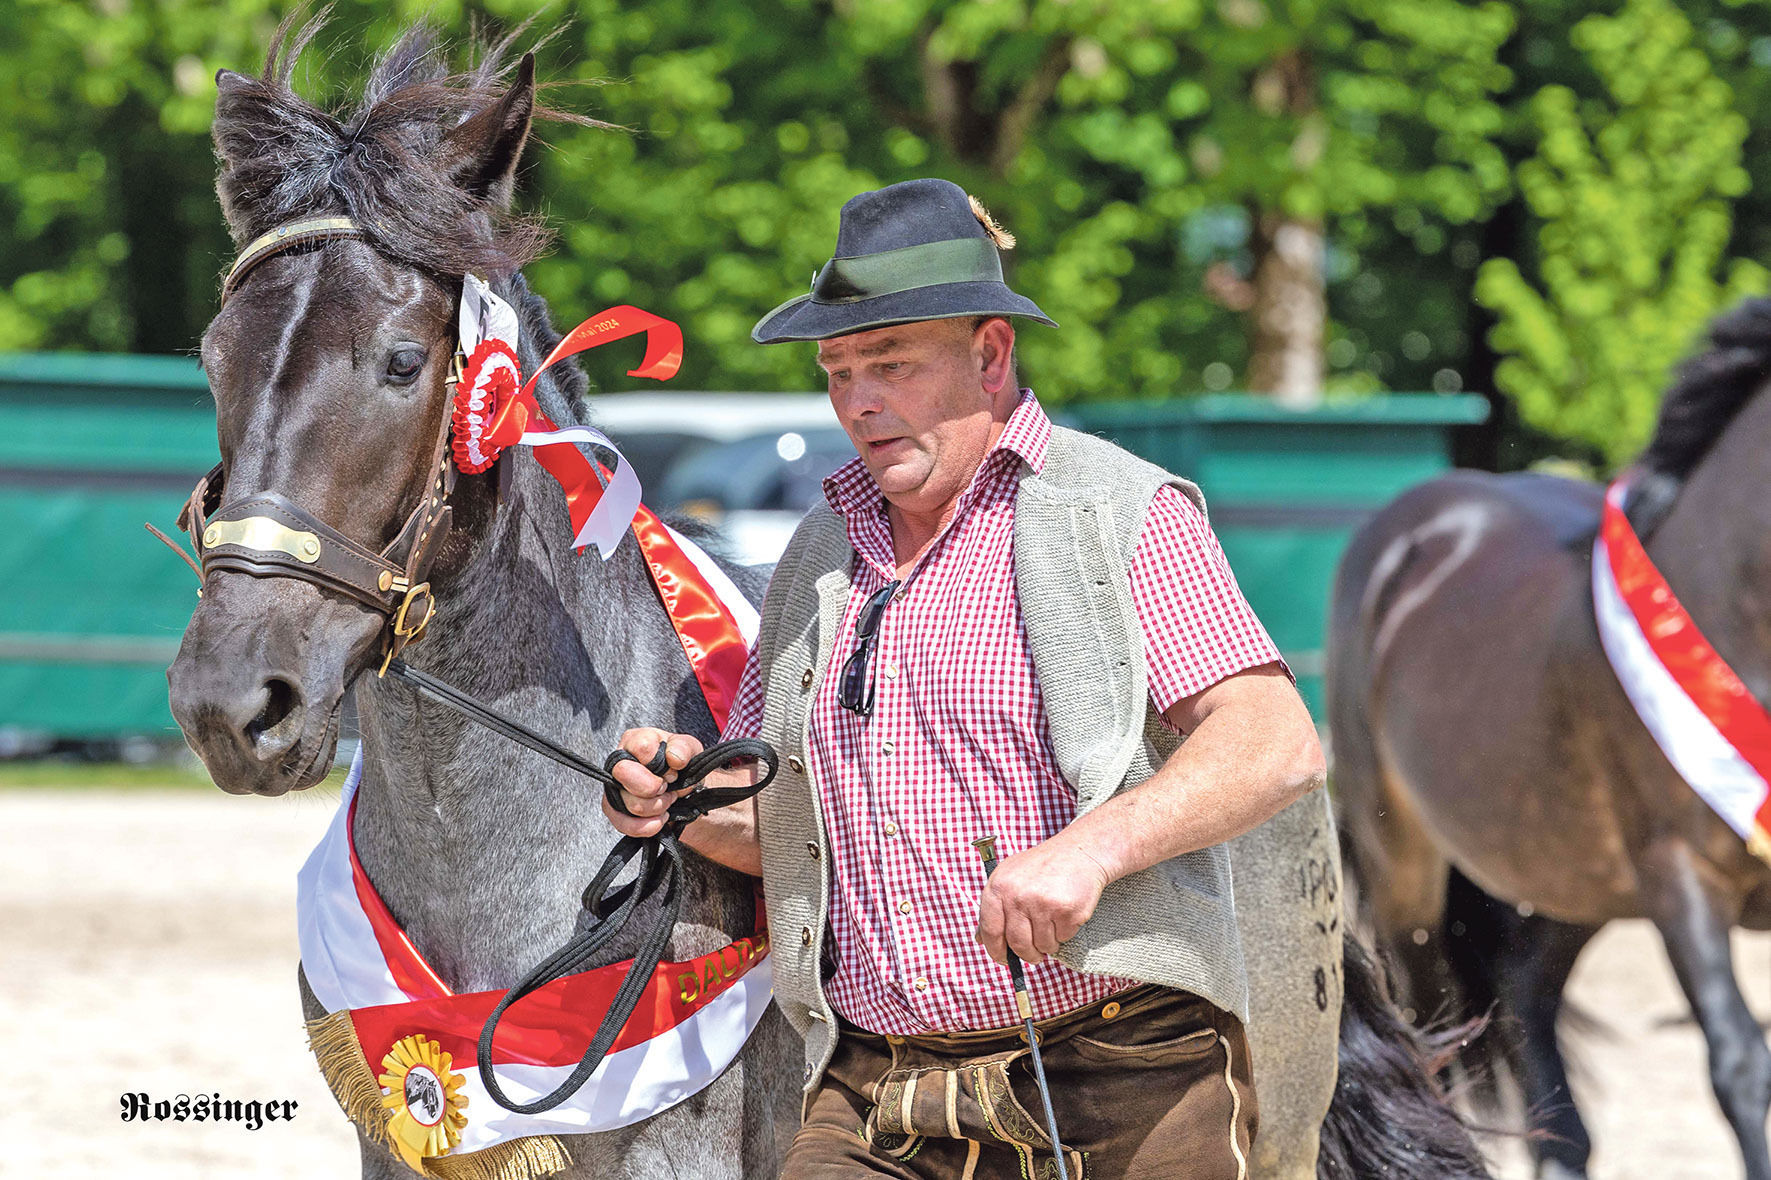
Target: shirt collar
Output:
[(850, 488)]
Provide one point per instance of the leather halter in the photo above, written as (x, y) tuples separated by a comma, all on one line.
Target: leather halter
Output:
[(268, 536)]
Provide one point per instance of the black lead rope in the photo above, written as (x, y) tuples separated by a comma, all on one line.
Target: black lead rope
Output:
[(660, 874)]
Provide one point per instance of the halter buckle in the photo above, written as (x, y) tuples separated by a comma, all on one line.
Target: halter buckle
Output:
[(402, 616), (403, 631)]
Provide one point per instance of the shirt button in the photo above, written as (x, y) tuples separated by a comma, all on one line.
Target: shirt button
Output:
[(891, 829), (891, 671), (887, 748), (812, 849), (805, 678), (920, 984), (805, 936), (904, 907), (795, 765)]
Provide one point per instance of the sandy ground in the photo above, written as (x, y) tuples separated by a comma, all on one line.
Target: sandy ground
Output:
[(147, 943)]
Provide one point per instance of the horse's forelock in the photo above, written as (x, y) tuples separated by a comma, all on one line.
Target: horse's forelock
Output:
[(283, 158)]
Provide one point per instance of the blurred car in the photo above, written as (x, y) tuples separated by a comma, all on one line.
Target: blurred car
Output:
[(748, 463)]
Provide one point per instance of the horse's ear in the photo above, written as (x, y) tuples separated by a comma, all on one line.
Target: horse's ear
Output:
[(237, 97), (483, 152)]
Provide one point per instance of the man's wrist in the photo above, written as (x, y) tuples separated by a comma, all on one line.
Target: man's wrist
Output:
[(1091, 841)]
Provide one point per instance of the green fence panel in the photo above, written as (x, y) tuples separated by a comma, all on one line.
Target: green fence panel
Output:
[(91, 605), (1287, 488)]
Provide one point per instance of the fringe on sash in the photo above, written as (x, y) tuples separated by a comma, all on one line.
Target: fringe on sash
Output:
[(333, 1039)]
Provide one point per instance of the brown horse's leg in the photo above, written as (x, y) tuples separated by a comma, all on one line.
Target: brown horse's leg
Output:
[(1532, 966), (1401, 879), (1694, 908)]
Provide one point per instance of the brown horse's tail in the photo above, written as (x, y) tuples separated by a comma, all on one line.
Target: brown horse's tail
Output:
[(1392, 1117)]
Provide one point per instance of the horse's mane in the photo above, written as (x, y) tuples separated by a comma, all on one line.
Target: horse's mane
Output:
[(1709, 390), (382, 162)]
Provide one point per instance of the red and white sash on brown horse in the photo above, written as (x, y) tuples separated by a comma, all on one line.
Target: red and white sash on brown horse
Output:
[(1700, 713)]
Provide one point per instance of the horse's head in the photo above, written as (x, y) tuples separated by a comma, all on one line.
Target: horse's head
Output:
[(331, 364)]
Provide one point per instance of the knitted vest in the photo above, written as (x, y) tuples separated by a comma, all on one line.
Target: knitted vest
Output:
[(1076, 527)]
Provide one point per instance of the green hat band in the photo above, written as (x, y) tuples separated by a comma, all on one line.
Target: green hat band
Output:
[(932, 264)]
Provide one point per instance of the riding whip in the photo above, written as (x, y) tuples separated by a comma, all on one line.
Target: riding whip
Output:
[(986, 846)]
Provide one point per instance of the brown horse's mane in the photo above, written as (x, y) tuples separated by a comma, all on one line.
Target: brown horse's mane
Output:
[(382, 162), (1711, 388)]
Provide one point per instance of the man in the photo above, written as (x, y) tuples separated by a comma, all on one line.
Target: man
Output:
[(996, 628)]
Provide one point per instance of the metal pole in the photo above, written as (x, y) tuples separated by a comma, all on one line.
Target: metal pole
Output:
[(986, 848)]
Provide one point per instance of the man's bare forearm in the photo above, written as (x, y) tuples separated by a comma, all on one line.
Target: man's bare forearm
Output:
[(1235, 771)]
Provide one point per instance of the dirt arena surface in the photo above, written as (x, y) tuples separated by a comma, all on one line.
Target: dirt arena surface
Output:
[(147, 944)]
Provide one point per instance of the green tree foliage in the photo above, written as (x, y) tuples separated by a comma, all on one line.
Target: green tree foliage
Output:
[(1123, 140), (1632, 194), (1141, 150), (109, 237)]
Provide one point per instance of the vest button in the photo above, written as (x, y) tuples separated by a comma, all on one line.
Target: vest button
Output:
[(805, 936), (812, 849), (795, 764), (805, 678)]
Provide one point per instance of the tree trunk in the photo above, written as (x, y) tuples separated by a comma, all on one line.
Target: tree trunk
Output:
[(1289, 315), (1290, 311)]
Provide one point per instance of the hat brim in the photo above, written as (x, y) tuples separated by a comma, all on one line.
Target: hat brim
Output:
[(806, 319)]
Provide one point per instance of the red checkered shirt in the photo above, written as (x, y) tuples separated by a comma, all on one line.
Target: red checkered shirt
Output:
[(958, 745)]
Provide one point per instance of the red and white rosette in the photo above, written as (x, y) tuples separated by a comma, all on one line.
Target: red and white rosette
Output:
[(495, 408), (490, 378)]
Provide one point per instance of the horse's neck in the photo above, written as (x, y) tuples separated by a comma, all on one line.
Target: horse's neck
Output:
[(478, 846), (1714, 547)]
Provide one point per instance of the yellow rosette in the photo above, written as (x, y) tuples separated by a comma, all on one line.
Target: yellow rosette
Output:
[(423, 1100)]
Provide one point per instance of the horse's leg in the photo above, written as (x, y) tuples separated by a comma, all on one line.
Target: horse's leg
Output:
[(1401, 877), (1694, 910), (1532, 966)]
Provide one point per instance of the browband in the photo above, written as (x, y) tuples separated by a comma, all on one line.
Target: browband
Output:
[(285, 237)]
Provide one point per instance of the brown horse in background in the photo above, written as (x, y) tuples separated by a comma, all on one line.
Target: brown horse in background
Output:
[(1481, 736)]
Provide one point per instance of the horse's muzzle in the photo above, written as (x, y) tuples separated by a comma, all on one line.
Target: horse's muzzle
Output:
[(259, 681)]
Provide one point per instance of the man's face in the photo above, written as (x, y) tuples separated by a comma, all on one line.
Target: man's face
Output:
[(913, 401)]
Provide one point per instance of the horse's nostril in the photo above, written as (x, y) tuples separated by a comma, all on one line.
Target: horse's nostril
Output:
[(280, 701)]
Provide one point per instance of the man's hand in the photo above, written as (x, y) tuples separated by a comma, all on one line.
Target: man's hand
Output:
[(1038, 899), (646, 795)]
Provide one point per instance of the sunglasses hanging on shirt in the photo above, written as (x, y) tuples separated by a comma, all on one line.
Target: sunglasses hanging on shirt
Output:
[(856, 690)]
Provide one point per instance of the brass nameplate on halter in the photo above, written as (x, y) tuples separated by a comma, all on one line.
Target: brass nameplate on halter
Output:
[(264, 534)]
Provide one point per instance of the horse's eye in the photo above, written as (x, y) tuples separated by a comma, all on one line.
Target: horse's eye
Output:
[(404, 365)]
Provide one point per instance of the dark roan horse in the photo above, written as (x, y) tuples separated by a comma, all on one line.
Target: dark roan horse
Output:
[(328, 367), (329, 364), (1481, 736)]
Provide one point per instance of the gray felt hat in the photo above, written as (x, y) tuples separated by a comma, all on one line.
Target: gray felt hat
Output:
[(907, 252)]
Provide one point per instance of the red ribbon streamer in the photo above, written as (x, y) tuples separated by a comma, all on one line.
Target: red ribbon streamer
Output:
[(518, 413)]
